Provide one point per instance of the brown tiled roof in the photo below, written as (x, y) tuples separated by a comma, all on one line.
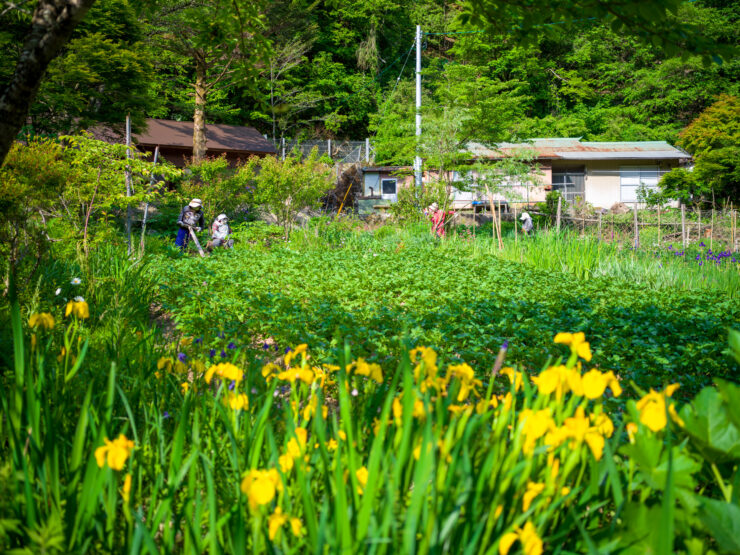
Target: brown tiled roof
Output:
[(234, 138)]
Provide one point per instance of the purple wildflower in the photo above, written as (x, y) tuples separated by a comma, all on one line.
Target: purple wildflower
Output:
[(212, 353), (166, 414), (182, 357), (505, 344), (232, 385), (199, 341), (702, 244), (287, 350), (223, 353), (265, 346), (231, 345)]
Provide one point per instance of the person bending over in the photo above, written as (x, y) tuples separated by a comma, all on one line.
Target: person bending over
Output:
[(221, 233), (191, 216)]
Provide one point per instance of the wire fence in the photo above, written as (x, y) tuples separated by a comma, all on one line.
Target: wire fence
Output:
[(347, 152), (642, 227)]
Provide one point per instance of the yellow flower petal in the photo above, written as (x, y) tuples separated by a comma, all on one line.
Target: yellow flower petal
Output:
[(564, 338), (506, 541)]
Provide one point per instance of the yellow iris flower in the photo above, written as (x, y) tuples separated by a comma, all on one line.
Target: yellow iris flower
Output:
[(527, 536), (114, 452), (41, 319), (226, 371), (559, 380), (260, 486), (535, 425), (78, 307), (595, 383), (533, 490), (362, 475), (236, 401), (652, 409), (577, 342)]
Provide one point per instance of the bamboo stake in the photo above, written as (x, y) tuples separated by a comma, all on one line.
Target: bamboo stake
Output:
[(711, 232), (637, 230), (684, 239), (599, 225), (557, 225), (146, 206), (516, 233), (660, 235), (128, 182)]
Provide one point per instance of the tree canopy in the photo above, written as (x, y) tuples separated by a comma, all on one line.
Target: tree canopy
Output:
[(342, 69)]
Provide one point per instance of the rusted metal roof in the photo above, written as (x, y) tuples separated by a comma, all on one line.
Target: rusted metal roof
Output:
[(386, 168), (575, 149), (179, 134)]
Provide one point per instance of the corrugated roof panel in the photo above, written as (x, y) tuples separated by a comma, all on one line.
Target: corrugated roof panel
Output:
[(574, 149)]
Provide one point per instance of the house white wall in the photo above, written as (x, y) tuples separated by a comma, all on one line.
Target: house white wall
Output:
[(603, 183)]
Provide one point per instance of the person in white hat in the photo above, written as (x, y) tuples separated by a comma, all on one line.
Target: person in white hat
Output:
[(190, 216), (526, 222), (221, 232)]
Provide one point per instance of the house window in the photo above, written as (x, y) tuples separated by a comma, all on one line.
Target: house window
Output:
[(388, 186), (570, 183), (631, 177)]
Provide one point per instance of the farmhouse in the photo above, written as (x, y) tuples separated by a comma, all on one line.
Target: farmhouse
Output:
[(601, 173), (175, 141)]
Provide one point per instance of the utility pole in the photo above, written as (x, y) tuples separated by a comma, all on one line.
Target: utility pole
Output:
[(417, 159)]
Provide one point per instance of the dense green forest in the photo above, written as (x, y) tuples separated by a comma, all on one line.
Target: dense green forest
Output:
[(342, 69)]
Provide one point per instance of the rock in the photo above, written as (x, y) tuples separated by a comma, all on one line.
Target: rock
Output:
[(619, 208)]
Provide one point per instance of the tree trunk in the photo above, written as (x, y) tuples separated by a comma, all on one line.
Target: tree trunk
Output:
[(199, 118), (52, 24)]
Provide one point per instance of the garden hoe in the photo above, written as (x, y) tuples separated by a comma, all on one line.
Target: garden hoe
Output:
[(197, 243)]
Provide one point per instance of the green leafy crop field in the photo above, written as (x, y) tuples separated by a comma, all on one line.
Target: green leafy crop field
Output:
[(375, 291)]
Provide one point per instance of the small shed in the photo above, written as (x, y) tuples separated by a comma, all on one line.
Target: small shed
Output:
[(175, 141)]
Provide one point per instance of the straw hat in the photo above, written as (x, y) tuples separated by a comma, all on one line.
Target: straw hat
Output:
[(222, 217), (434, 206), (525, 216), (195, 203)]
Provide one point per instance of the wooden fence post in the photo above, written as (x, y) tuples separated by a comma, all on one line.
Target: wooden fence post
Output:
[(557, 221), (684, 239), (698, 225), (583, 221), (637, 230), (612, 227)]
